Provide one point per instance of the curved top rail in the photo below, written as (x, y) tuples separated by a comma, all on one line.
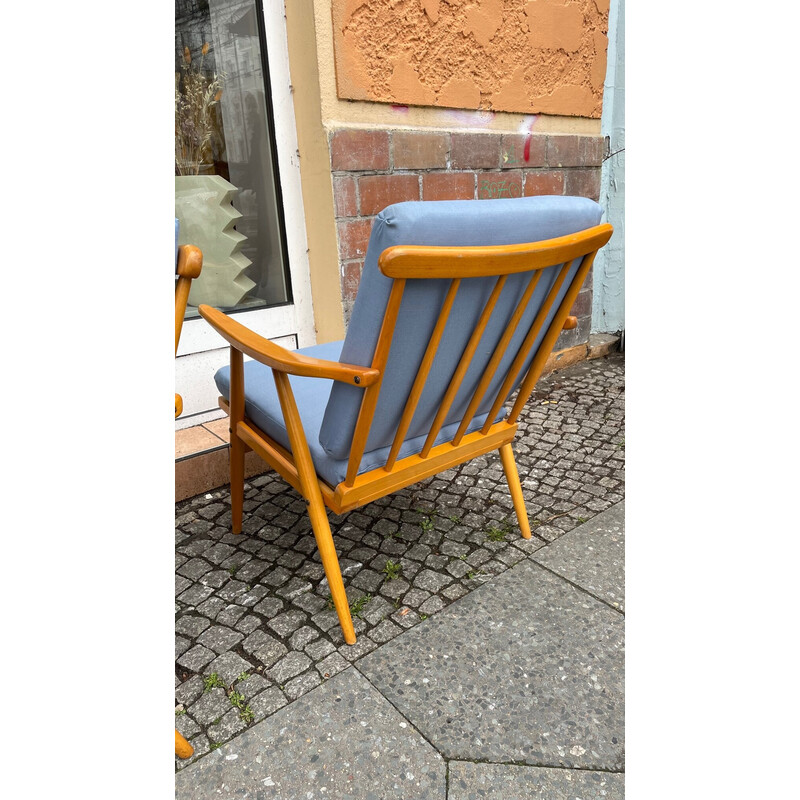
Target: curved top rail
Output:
[(416, 261)]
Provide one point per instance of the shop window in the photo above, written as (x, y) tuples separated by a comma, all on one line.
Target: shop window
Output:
[(227, 188)]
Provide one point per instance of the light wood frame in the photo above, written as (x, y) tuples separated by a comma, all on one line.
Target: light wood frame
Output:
[(190, 264), (404, 263)]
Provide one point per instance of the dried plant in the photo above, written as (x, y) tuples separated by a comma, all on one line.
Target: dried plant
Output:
[(196, 93)]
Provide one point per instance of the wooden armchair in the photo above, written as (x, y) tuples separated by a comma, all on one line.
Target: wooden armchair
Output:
[(459, 306)]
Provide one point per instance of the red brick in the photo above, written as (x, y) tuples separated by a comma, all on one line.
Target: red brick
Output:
[(583, 183), (356, 149), (448, 186), (546, 181), (378, 191), (582, 307), (495, 185), (594, 147), (414, 150), (565, 151), (351, 278), (344, 196), (515, 146), (474, 151), (353, 238)]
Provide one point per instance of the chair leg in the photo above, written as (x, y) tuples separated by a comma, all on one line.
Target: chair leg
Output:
[(182, 748), (330, 562), (237, 451), (512, 477)]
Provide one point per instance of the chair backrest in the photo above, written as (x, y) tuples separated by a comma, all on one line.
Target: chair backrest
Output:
[(455, 332)]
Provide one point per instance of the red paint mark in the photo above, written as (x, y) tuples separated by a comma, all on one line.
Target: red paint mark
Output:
[(526, 153), (399, 108)]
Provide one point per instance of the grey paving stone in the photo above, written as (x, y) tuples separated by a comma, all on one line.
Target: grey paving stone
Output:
[(251, 686), (228, 666), (332, 665), (468, 781), (526, 669), (230, 724), (219, 638), (319, 649), (196, 658), (290, 665), (182, 644), (431, 581), (302, 684), (188, 691), (211, 706), (186, 726), (287, 623), (263, 647), (248, 624), (343, 739), (267, 702), (592, 556)]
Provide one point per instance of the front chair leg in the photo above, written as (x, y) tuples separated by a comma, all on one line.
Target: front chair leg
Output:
[(512, 477), (316, 505), (330, 562)]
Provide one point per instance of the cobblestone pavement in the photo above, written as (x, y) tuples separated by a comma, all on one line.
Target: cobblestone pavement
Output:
[(255, 627)]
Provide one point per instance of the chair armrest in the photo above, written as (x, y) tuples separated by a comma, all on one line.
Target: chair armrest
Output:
[(190, 261), (278, 358)]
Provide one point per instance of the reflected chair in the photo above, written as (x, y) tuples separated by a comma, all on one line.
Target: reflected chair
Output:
[(459, 307), (188, 264)]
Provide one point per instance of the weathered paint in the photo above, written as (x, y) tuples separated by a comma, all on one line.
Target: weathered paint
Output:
[(608, 302), (523, 56)]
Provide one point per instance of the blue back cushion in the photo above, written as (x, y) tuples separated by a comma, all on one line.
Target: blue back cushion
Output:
[(443, 223)]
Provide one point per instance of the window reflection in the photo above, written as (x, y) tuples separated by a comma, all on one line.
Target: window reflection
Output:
[(226, 193)]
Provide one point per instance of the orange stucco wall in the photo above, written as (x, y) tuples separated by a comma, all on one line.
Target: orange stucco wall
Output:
[(524, 56)]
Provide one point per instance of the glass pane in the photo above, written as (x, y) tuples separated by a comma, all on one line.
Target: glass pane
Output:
[(226, 186)]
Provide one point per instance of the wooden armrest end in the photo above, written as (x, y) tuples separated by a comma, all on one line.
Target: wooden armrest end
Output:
[(570, 323), (190, 261)]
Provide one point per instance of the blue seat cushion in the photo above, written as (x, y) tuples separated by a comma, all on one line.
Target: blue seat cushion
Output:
[(311, 395)]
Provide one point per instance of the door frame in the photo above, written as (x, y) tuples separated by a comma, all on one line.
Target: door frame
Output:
[(202, 350)]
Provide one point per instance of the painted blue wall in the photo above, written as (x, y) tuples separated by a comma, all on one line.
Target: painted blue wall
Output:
[(608, 300)]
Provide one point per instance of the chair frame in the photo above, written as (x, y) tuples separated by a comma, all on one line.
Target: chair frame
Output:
[(190, 264), (402, 263)]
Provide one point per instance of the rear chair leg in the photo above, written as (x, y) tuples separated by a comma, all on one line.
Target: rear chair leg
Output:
[(237, 451), (512, 477)]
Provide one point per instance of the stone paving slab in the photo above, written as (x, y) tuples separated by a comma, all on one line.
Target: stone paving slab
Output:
[(341, 741), (527, 669), (469, 781), (592, 556)]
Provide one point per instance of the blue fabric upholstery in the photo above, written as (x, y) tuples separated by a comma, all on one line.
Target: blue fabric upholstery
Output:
[(263, 407), (329, 410), (443, 223)]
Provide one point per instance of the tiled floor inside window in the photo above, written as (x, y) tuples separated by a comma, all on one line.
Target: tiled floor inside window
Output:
[(201, 459)]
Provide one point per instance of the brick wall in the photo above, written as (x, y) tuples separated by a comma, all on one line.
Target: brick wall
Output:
[(373, 168)]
